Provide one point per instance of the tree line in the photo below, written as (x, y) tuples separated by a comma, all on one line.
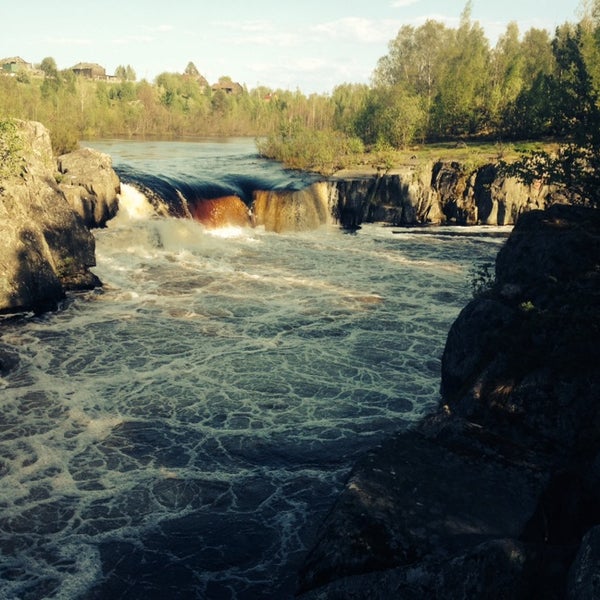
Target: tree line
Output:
[(436, 83), (441, 83), (173, 105)]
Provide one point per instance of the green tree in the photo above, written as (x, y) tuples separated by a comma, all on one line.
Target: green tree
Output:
[(460, 107), (576, 94), (51, 81), (536, 49), (506, 74), (391, 116), (191, 70), (417, 62), (11, 145), (301, 147), (49, 68), (125, 73), (531, 114), (349, 101), (576, 164)]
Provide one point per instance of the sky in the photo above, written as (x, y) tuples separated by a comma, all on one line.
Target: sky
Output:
[(306, 45)]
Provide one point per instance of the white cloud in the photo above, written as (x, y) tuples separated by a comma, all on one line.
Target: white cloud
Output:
[(258, 33), (452, 22), (144, 39), (309, 65), (359, 29), (158, 28), (280, 39), (64, 41), (252, 26)]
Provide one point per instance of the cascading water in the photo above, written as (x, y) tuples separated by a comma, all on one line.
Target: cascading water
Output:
[(180, 433)]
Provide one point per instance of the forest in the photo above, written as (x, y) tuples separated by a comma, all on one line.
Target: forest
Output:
[(435, 84)]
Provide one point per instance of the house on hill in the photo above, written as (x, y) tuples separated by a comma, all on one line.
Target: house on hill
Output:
[(89, 70), (227, 86), (14, 65)]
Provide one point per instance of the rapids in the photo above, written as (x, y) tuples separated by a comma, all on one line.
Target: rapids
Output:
[(180, 433)]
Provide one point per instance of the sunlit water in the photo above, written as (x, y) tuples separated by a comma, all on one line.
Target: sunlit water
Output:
[(181, 433)]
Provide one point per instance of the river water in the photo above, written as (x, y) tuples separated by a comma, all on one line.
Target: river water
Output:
[(181, 432)]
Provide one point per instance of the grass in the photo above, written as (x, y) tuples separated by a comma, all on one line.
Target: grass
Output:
[(470, 154)]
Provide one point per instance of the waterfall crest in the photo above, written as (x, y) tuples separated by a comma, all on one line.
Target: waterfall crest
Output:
[(292, 210)]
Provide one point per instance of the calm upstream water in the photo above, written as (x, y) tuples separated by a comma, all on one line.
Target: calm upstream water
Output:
[(181, 433)]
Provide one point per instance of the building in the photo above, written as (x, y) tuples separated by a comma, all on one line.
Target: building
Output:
[(14, 65), (227, 86), (89, 70)]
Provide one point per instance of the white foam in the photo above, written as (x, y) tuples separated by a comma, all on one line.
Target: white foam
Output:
[(133, 205), (210, 360), (229, 232), (86, 571)]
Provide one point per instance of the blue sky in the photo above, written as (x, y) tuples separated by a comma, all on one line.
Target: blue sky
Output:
[(311, 45)]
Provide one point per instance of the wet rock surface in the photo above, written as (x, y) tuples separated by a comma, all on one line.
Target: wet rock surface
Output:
[(443, 192)]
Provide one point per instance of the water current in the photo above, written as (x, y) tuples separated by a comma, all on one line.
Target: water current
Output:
[(181, 432)]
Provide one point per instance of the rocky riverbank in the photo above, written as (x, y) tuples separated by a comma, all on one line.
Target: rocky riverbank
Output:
[(46, 209), (441, 192), (497, 494)]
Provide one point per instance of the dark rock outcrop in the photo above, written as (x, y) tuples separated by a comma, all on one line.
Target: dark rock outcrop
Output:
[(90, 185), (45, 248), (496, 494), (584, 578), (436, 193)]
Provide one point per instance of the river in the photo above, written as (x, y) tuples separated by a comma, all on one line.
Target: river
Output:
[(181, 432)]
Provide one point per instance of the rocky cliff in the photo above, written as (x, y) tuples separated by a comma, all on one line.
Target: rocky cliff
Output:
[(436, 193), (497, 494), (45, 246)]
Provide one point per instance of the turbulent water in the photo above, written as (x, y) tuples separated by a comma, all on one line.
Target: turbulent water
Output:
[(180, 433)]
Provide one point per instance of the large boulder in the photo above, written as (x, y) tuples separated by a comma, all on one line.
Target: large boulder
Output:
[(522, 358), (425, 498), (90, 185), (45, 248), (492, 495)]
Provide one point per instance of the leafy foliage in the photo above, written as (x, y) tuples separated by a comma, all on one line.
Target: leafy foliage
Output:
[(11, 145), (575, 166), (436, 84), (390, 116), (125, 73), (300, 147), (481, 278)]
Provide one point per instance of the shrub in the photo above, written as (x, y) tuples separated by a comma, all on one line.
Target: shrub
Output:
[(300, 147), (11, 145), (482, 278)]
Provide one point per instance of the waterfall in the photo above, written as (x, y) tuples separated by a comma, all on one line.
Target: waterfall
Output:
[(216, 213), (133, 204), (292, 210)]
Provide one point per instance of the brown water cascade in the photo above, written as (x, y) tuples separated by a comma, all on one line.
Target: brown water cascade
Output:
[(221, 212), (288, 210)]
